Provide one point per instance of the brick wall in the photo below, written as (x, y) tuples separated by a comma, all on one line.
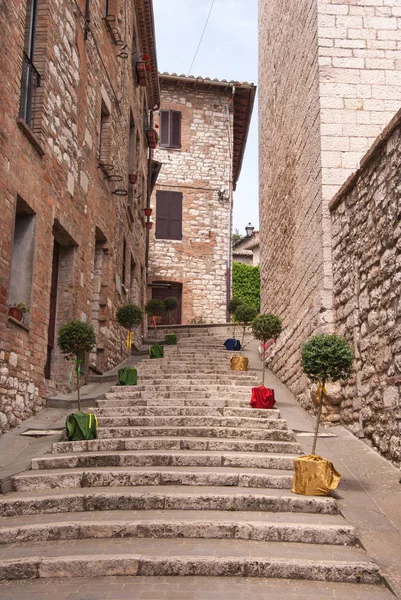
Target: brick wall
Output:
[(199, 171), (54, 168), (329, 81), (367, 292)]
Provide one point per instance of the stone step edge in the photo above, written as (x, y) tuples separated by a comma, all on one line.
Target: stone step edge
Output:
[(103, 499), (335, 534), (136, 564)]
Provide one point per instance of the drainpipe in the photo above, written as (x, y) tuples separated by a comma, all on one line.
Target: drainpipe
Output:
[(230, 197), (150, 157)]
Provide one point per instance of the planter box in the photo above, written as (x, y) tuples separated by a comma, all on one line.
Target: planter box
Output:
[(149, 225), (152, 138), (148, 211), (133, 178), (15, 313), (141, 72)]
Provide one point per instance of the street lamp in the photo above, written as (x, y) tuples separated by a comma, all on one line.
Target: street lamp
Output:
[(249, 230)]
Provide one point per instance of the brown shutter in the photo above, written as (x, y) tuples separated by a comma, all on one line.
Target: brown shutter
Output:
[(165, 128), (175, 118), (175, 216), (162, 215)]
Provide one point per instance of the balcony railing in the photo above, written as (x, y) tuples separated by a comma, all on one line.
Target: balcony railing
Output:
[(29, 85)]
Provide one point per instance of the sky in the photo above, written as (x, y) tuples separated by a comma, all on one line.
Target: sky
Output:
[(229, 50)]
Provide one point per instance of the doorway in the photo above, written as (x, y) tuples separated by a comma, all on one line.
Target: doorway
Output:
[(169, 290)]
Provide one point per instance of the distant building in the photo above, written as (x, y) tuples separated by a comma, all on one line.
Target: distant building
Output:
[(203, 131), (76, 96), (247, 249)]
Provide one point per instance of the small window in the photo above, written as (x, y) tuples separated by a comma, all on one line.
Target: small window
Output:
[(170, 129), (168, 215), (105, 135), (124, 263), (30, 81), (22, 259), (132, 172)]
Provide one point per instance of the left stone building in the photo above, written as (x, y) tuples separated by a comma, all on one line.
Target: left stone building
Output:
[(79, 84)]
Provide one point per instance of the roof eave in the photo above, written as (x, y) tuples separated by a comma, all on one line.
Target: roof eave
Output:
[(145, 12)]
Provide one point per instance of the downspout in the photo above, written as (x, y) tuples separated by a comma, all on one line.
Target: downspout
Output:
[(148, 193), (230, 197)]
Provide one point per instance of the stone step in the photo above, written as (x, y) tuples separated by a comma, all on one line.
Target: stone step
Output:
[(188, 388), (183, 400), (170, 458), (176, 443), (216, 432), (189, 588), (164, 498), (151, 476), (175, 557), (160, 369), (220, 380), (257, 526), (172, 411), (192, 421), (160, 395)]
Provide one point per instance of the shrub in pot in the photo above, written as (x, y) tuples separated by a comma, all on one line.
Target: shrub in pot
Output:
[(244, 315), (325, 357), (232, 307), (129, 316), (170, 304), (155, 308), (75, 339), (18, 311), (266, 327)]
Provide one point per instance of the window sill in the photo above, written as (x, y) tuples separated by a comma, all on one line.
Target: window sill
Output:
[(28, 133), (167, 239), (19, 324)]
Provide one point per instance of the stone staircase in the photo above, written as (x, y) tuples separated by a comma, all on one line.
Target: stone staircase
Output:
[(184, 479)]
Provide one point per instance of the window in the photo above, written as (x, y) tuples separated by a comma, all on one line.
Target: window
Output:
[(168, 215), (170, 129), (110, 10), (22, 258), (132, 174), (124, 263), (30, 76), (105, 135)]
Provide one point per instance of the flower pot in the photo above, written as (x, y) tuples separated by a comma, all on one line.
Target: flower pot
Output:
[(15, 313), (133, 178), (152, 138), (149, 225), (148, 211), (141, 72), (239, 363), (314, 476)]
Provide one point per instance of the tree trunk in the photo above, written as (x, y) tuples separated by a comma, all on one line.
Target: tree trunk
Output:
[(78, 390), (263, 369), (318, 417)]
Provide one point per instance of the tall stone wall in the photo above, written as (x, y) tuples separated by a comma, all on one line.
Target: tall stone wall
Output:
[(290, 175), (367, 291), (330, 75), (53, 168), (199, 170)]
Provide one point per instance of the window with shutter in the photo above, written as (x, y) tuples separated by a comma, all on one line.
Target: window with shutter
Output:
[(168, 215), (170, 129)]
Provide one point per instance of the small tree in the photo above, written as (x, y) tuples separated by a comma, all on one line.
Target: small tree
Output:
[(170, 305), (325, 357), (74, 339), (129, 316), (155, 308), (264, 328), (245, 315), (232, 307)]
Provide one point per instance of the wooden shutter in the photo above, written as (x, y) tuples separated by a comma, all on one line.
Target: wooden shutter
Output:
[(162, 215), (175, 126), (165, 128), (175, 216)]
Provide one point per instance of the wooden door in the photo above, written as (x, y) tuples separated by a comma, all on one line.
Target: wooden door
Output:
[(175, 291), (51, 331)]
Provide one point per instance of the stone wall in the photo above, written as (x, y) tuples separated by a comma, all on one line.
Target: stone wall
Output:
[(51, 169), (329, 80), (290, 176), (199, 171), (367, 291)]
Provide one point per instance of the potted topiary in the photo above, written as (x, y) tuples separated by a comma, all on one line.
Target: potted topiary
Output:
[(244, 314), (75, 339), (265, 328), (155, 309), (18, 311), (232, 307), (129, 316), (324, 357), (170, 304)]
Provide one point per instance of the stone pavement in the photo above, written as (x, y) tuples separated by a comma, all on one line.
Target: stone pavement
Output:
[(186, 479)]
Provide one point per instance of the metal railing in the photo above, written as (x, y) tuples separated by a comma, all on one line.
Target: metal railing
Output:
[(29, 85)]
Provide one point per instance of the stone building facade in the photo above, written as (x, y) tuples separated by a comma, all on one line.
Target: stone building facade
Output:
[(73, 121), (329, 81), (247, 249), (203, 127), (366, 231)]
